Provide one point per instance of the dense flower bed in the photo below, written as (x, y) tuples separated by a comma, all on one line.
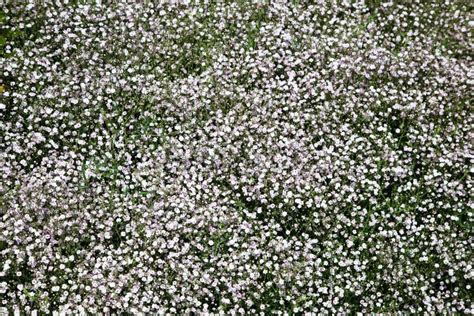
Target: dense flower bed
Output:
[(236, 157)]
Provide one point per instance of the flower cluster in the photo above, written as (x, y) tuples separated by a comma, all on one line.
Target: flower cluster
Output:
[(236, 157)]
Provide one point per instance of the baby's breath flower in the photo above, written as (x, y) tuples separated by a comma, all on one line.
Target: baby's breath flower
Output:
[(236, 157)]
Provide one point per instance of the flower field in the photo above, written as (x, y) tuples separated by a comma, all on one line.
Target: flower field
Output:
[(236, 157)]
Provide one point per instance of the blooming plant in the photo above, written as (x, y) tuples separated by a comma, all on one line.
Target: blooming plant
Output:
[(236, 157)]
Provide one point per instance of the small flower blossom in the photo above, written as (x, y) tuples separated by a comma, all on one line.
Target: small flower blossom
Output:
[(236, 157)]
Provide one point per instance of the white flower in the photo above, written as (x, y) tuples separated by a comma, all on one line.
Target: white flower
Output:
[(236, 157)]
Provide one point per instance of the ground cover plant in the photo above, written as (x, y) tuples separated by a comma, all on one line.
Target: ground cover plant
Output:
[(236, 157)]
